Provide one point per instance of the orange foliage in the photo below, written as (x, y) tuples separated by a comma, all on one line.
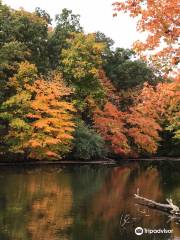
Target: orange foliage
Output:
[(109, 89), (40, 117), (137, 130), (51, 118), (160, 19), (162, 102), (111, 125), (128, 132)]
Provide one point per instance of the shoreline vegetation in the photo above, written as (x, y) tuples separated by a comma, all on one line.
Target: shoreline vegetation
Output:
[(66, 94), (102, 162)]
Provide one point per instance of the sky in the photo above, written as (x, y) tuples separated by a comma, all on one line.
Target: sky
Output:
[(96, 15)]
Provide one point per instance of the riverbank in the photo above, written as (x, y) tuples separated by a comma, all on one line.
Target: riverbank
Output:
[(79, 162)]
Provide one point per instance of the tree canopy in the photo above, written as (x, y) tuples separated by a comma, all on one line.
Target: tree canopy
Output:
[(67, 93), (160, 19)]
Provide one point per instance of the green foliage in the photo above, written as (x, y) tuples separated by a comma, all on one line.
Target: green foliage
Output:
[(88, 144), (66, 23), (23, 37), (11, 53), (108, 44), (5, 23), (174, 119), (169, 145), (101, 37), (12, 111), (43, 14), (128, 73), (81, 62), (29, 30)]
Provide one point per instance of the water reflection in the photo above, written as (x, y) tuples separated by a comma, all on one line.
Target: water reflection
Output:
[(50, 209), (115, 201), (88, 203)]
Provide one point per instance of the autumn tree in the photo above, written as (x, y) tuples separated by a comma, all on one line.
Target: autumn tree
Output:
[(110, 123), (23, 37), (81, 61), (142, 128), (163, 103), (37, 119), (160, 20), (110, 91), (128, 133), (128, 74), (131, 132), (80, 65)]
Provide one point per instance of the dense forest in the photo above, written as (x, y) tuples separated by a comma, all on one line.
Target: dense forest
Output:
[(68, 94)]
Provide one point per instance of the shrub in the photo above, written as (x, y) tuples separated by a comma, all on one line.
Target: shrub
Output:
[(88, 144)]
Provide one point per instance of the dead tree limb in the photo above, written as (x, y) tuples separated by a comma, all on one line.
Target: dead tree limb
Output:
[(170, 208)]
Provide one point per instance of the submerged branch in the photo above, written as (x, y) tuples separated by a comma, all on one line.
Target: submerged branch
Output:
[(170, 208)]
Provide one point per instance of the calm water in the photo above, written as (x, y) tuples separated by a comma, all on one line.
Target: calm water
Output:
[(86, 203)]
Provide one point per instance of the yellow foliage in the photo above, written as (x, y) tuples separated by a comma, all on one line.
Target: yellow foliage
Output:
[(41, 121)]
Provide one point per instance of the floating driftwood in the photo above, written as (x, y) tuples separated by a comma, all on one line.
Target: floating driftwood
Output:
[(170, 207)]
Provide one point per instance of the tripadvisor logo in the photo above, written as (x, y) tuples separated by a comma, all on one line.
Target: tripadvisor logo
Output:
[(139, 231)]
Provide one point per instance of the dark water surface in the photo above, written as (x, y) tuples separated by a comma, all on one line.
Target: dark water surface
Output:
[(86, 202)]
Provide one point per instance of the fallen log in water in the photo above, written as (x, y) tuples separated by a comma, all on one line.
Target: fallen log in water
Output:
[(169, 208)]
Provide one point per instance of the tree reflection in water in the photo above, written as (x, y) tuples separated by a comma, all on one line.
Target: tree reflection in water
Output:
[(85, 203), (50, 212), (115, 201)]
